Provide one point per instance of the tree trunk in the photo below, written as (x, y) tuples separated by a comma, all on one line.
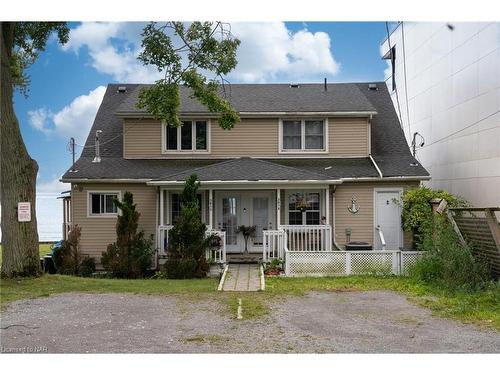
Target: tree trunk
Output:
[(18, 172)]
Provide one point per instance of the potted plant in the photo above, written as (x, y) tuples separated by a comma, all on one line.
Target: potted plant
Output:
[(274, 267), (247, 232)]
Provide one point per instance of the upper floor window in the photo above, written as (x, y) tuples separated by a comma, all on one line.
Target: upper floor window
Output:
[(191, 136), (101, 203), (303, 135)]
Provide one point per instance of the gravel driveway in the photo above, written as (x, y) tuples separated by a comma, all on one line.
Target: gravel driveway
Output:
[(320, 322)]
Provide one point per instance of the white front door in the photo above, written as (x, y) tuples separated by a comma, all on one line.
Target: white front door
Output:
[(244, 208), (229, 219), (388, 218)]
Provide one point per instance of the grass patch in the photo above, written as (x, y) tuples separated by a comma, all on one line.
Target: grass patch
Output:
[(46, 285), (203, 339), (254, 304), (43, 249), (480, 307)]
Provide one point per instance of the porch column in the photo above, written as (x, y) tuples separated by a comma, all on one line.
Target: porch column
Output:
[(210, 208), (327, 203), (161, 206), (278, 208)]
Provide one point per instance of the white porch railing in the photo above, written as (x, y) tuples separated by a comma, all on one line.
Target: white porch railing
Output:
[(341, 263), (273, 244), (217, 255), (308, 237), (66, 227)]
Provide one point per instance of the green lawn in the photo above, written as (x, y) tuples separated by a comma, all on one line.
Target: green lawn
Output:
[(482, 308), (43, 249)]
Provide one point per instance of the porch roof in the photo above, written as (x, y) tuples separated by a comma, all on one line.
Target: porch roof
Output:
[(247, 169)]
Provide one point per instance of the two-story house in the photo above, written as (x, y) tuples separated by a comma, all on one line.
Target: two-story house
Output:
[(326, 163)]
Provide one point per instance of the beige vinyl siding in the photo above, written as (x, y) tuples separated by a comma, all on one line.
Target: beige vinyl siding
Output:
[(142, 138), (361, 223), (98, 232), (251, 137), (348, 136)]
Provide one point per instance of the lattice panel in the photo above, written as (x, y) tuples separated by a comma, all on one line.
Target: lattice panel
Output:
[(408, 260), (317, 263), (373, 263)]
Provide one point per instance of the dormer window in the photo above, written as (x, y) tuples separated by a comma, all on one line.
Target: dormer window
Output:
[(305, 135), (192, 136)]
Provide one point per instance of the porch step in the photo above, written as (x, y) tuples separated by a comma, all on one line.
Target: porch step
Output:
[(244, 258), (242, 278)]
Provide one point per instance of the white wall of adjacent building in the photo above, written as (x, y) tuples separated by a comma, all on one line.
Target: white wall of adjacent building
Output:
[(451, 96)]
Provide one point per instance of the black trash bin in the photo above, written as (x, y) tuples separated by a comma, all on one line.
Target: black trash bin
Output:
[(48, 264), (354, 245)]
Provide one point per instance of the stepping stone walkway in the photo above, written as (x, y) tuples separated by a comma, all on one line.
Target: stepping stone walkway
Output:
[(242, 277)]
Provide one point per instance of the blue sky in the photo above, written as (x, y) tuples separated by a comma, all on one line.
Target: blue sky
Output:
[(67, 83)]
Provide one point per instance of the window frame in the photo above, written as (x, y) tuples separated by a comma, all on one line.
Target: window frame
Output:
[(304, 214), (193, 149), (102, 192), (302, 149)]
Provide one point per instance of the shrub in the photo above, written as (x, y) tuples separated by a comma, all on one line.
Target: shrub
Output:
[(417, 215), (188, 242), (447, 263), (87, 267), (67, 257), (130, 256)]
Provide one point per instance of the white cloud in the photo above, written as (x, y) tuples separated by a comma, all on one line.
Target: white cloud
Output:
[(74, 120), (51, 188), (113, 49), (269, 52)]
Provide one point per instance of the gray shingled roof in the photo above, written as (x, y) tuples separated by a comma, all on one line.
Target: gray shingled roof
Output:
[(339, 97), (389, 146), (244, 169)]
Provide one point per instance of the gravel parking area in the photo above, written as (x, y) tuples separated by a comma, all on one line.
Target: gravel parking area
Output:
[(320, 322)]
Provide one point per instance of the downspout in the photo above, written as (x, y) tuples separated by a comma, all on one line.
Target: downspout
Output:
[(333, 219), (376, 167)]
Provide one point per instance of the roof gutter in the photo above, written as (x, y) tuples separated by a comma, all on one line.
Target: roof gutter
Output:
[(246, 182), (106, 180), (132, 114), (393, 178)]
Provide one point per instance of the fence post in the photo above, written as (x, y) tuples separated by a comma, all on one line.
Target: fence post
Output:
[(348, 269), (287, 269), (395, 263)]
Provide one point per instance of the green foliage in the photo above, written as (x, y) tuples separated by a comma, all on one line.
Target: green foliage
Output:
[(30, 38), (274, 266), (202, 46), (188, 242), (87, 268), (130, 256), (67, 258), (417, 215), (447, 263)]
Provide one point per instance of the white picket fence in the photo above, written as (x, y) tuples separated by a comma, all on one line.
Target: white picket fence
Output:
[(341, 263)]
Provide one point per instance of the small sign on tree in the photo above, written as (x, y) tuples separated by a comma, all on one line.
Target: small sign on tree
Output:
[(23, 211)]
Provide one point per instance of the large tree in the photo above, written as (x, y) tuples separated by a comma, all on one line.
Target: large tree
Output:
[(199, 56), (20, 45)]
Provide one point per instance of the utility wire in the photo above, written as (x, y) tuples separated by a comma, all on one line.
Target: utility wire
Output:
[(461, 130)]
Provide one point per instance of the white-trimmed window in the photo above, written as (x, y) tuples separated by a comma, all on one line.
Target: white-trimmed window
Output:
[(192, 136), (306, 135), (102, 203), (304, 208), (176, 206)]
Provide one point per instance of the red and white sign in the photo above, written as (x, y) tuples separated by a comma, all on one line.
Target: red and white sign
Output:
[(23, 211)]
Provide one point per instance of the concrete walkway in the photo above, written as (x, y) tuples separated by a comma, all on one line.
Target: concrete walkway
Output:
[(242, 277)]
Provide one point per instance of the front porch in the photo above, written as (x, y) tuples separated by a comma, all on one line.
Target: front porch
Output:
[(302, 213)]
